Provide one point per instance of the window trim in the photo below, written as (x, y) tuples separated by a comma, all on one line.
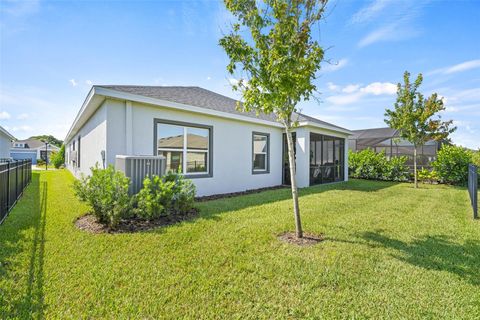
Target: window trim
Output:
[(267, 169), (184, 150)]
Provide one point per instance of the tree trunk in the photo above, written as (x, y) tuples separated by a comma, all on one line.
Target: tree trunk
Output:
[(293, 182), (415, 165)]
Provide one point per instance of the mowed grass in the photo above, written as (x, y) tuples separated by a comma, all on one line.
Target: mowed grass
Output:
[(390, 252)]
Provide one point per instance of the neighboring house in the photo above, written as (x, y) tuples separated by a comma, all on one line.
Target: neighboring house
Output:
[(32, 149), (221, 149), (388, 140), (5, 142)]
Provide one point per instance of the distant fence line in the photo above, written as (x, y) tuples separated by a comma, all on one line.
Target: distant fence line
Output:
[(473, 188), (15, 175)]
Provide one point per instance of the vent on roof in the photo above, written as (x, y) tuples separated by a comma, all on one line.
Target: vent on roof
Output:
[(138, 167)]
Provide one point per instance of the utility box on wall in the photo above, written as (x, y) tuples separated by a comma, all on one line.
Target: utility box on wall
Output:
[(138, 167)]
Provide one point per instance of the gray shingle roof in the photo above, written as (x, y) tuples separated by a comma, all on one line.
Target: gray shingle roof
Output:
[(375, 133), (199, 97)]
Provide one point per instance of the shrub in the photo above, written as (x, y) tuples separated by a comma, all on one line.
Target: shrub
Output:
[(58, 158), (169, 194), (395, 169), (367, 164), (427, 176), (452, 164), (40, 162), (106, 191)]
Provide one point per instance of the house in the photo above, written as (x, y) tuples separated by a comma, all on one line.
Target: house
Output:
[(221, 149), (33, 149), (5, 142), (388, 140)]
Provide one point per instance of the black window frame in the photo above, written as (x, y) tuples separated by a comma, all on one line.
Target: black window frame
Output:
[(209, 173), (267, 169)]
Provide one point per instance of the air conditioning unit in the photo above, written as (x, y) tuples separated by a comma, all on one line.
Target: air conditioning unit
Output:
[(138, 167)]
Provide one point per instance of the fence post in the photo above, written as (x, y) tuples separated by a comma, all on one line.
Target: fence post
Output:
[(8, 185)]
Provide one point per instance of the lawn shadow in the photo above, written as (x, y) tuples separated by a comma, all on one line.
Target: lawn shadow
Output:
[(15, 241), (271, 196), (213, 209), (435, 252)]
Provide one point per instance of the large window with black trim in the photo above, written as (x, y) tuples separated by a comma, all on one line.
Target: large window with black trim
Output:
[(327, 159), (187, 147), (260, 152)]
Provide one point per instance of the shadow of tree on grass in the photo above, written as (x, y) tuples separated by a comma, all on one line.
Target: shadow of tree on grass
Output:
[(16, 240), (435, 253)]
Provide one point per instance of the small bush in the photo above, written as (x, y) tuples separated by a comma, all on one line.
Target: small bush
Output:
[(367, 164), (165, 195), (452, 164), (58, 158), (106, 191), (395, 169), (427, 176), (40, 162)]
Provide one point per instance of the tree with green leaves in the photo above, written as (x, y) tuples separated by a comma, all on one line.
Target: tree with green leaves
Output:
[(272, 48), (417, 119)]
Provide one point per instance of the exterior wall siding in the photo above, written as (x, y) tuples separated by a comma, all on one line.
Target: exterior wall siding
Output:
[(5, 145), (232, 145), (127, 128), (93, 136)]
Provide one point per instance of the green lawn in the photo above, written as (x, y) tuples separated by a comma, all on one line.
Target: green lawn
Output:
[(390, 252)]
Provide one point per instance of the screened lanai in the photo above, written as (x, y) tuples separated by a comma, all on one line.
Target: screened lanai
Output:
[(387, 140)]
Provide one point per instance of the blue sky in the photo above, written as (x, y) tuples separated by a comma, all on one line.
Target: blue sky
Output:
[(51, 52)]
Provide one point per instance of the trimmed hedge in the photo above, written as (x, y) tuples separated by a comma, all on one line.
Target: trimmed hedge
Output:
[(367, 164)]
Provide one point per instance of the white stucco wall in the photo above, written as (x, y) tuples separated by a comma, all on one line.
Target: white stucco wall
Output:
[(5, 145), (93, 139), (127, 128), (232, 145)]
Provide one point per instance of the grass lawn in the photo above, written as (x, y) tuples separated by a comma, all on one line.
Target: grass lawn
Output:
[(390, 252)]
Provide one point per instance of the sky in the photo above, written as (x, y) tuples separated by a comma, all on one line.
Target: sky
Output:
[(51, 52)]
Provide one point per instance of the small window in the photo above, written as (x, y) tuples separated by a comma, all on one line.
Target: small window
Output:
[(261, 150)]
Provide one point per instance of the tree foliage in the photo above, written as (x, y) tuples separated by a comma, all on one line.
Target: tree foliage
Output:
[(276, 54), (417, 118), (48, 138), (58, 158), (272, 50)]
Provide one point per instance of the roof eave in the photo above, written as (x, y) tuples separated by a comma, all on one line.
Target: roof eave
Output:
[(323, 126)]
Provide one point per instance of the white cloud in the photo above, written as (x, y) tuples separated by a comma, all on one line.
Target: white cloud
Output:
[(88, 82), (22, 116), (4, 115), (20, 8), (24, 128), (73, 82), (335, 66), (351, 88), (378, 88), (209, 78), (354, 92), (371, 11), (332, 87), (345, 98), (464, 66)]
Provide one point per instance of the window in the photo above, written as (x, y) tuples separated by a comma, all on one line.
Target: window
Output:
[(186, 147), (261, 150)]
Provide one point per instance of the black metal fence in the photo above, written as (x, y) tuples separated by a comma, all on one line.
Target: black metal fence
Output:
[(473, 188), (14, 177)]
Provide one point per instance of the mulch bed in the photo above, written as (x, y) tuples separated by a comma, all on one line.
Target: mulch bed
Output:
[(307, 240), (90, 223), (236, 194)]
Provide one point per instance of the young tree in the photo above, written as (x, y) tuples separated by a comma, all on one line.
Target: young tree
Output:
[(273, 47), (417, 118)]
